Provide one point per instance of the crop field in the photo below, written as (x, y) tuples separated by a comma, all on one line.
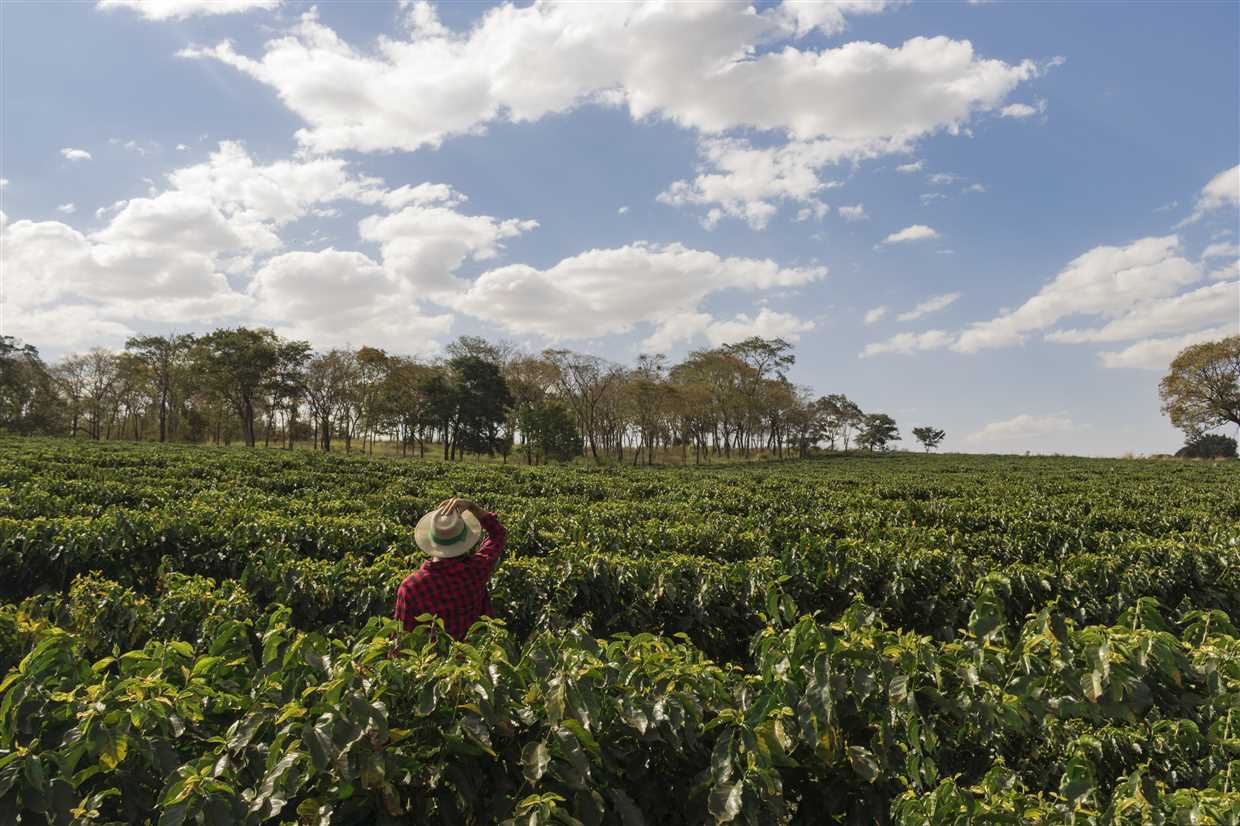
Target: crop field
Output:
[(196, 635)]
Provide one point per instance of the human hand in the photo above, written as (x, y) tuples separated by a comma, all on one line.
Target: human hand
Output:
[(458, 505)]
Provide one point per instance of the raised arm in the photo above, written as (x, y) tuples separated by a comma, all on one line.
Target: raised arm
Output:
[(488, 556)]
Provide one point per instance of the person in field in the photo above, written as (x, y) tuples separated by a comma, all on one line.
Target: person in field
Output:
[(452, 584)]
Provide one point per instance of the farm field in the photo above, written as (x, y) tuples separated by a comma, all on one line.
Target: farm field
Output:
[(197, 635)]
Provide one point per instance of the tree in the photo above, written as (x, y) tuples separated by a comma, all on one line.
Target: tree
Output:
[(878, 431), (482, 403), (327, 379), (237, 363), (27, 398), (162, 356), (1202, 389), (929, 436), (1208, 446), (550, 432)]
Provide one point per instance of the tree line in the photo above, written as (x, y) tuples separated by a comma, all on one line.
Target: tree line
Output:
[(253, 386)]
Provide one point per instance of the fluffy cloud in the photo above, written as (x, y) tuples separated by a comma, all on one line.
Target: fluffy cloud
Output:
[(1223, 190), (856, 212), (425, 244), (909, 168), (1023, 110), (1020, 429), (738, 181), (916, 232), (181, 9), (1193, 310), (70, 154), (522, 63), (334, 298), (875, 315), (932, 305), (1106, 281), (909, 343), (609, 291), (1157, 353)]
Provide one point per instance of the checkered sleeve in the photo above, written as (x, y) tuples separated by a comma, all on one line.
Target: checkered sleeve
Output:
[(406, 610), (488, 556)]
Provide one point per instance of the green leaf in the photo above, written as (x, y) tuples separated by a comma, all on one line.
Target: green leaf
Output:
[(534, 760), (725, 801), (863, 763)]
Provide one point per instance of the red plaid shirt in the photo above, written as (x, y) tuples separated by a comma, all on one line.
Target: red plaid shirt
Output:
[(454, 589)]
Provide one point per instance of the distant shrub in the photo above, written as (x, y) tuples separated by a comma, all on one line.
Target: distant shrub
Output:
[(1208, 446)]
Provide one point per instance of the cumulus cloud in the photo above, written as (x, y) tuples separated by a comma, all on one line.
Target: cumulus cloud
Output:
[(181, 9), (909, 343), (1210, 305), (425, 244), (332, 297), (1223, 190), (521, 63), (875, 315), (1021, 429), (856, 212), (70, 154), (916, 232), (609, 291), (737, 180), (1107, 281), (169, 257), (1157, 353), (932, 305)]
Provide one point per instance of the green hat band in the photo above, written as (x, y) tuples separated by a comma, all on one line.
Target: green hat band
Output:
[(457, 538)]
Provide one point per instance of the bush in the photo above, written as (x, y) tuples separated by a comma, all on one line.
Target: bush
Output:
[(1208, 446)]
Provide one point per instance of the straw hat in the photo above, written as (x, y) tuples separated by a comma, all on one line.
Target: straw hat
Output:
[(445, 535)]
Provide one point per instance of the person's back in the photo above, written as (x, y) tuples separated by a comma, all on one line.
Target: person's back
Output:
[(452, 584)]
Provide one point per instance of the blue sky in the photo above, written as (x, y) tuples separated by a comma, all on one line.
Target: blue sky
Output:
[(1047, 193)]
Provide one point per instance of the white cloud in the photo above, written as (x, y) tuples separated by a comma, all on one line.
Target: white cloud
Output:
[(609, 291), (1107, 281), (738, 181), (916, 232), (875, 315), (521, 63), (70, 154), (909, 343), (767, 323), (4, 182), (932, 305), (927, 198), (181, 9), (1157, 353), (816, 210), (974, 188), (1226, 271), (424, 245), (1167, 207), (908, 168), (1021, 429), (943, 178), (1023, 110), (1210, 305), (335, 298), (1223, 190), (67, 209), (1221, 250), (624, 210), (181, 147), (856, 212)]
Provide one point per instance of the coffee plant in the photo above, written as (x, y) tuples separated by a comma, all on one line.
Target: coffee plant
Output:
[(194, 635)]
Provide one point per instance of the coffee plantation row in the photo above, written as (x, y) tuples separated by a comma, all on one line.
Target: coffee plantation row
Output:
[(193, 635)]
